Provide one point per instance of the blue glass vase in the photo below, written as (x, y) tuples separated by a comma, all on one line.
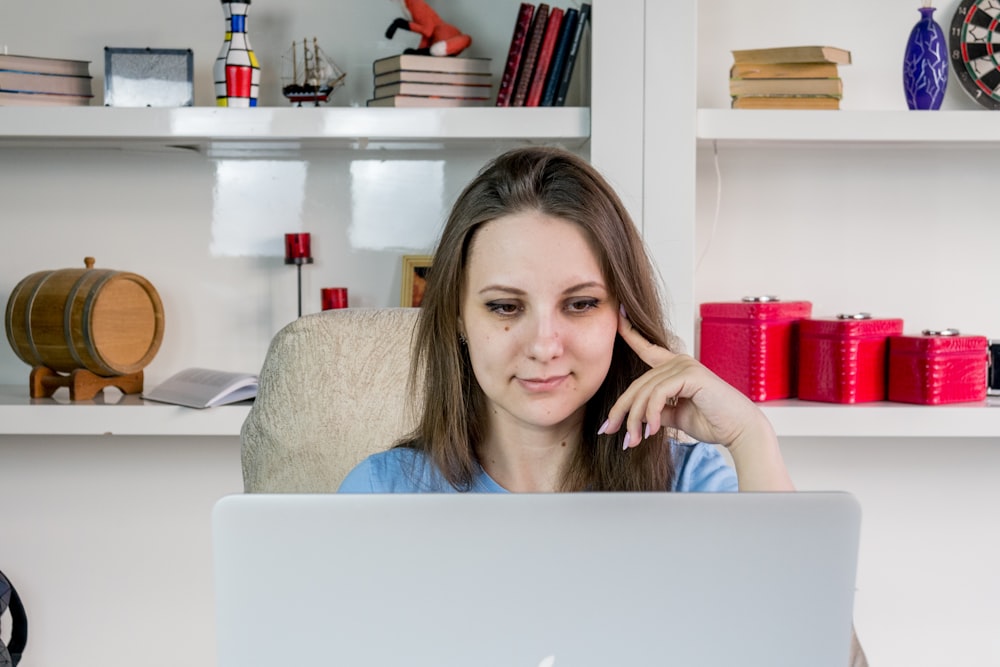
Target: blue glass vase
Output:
[(925, 64)]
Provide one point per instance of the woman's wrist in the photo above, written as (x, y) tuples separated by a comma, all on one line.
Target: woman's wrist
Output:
[(757, 457)]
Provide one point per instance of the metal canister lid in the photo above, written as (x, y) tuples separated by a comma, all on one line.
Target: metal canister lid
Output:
[(940, 332), (766, 298), (854, 316)]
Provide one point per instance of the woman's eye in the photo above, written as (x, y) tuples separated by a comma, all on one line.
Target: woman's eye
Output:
[(502, 307), (581, 305)]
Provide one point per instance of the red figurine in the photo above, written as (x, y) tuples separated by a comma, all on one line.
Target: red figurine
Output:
[(437, 38)]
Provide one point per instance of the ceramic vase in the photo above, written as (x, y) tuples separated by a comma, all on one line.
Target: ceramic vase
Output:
[(237, 72), (925, 64)]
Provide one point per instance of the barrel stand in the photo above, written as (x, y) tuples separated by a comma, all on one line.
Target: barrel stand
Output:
[(83, 384)]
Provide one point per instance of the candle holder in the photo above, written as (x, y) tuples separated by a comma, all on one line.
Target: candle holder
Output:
[(332, 298), (298, 252)]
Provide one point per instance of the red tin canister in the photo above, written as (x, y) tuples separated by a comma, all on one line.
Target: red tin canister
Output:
[(938, 367), (751, 344), (843, 359)]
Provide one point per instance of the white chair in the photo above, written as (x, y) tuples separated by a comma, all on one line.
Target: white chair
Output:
[(333, 389)]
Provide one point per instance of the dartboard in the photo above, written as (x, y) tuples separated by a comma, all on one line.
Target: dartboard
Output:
[(975, 49)]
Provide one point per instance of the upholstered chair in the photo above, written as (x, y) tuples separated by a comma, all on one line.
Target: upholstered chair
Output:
[(333, 389)]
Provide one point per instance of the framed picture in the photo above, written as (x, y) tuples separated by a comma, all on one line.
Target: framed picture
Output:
[(136, 77), (415, 268)]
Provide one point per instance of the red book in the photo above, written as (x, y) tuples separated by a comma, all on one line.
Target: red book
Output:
[(544, 58), (518, 42), (530, 55)]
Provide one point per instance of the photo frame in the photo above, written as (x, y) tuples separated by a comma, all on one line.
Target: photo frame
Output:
[(146, 77), (415, 268)]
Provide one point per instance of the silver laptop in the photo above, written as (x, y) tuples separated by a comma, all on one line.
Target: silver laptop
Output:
[(524, 580)]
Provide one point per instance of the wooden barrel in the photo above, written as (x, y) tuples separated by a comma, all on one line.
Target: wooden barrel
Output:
[(108, 322)]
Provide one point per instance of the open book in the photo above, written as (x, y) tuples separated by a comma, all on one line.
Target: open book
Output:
[(204, 388)]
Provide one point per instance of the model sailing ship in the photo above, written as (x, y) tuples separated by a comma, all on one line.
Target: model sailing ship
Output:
[(314, 75)]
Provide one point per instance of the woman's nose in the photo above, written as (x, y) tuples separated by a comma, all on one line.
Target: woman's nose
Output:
[(546, 339)]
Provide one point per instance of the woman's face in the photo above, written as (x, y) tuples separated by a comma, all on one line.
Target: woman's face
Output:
[(539, 319)]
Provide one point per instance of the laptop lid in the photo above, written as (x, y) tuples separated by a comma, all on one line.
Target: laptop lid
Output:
[(525, 580)]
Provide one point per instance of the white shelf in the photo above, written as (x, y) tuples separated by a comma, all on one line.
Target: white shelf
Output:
[(130, 415), (291, 128), (793, 418), (735, 126)]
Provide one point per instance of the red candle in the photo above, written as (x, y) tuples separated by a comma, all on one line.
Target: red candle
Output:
[(297, 248), (334, 297)]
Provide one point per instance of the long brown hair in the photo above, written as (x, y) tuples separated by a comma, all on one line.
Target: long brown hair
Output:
[(453, 419)]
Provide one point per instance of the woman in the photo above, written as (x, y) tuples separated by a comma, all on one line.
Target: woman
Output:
[(545, 359), (546, 363)]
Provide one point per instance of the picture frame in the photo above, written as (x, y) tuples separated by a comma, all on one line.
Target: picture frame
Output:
[(415, 268), (146, 77)]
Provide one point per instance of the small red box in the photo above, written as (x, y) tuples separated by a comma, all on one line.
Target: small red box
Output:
[(843, 359), (751, 344), (938, 367)]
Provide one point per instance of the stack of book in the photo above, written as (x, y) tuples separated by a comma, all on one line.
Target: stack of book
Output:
[(543, 52), (790, 77), (34, 81), (411, 80)]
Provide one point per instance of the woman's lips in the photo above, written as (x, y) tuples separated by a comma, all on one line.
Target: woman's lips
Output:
[(542, 384)]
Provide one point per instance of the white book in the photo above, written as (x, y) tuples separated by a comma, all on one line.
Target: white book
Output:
[(205, 388)]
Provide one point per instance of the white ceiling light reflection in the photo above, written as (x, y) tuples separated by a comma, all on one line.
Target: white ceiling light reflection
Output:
[(396, 204), (254, 203)]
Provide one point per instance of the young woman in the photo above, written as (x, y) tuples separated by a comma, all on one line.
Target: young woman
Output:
[(546, 363), (545, 359)]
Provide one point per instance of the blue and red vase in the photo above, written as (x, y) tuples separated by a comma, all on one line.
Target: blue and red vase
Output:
[(236, 71), (925, 64)]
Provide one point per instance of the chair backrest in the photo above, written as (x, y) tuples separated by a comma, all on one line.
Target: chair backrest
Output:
[(333, 389)]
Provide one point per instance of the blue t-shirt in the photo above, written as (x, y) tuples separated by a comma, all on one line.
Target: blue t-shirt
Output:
[(699, 467)]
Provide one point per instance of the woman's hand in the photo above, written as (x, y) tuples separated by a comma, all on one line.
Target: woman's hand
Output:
[(680, 392)]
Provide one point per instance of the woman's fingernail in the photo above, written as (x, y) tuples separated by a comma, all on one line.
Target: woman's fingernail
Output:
[(604, 427), (621, 310), (626, 440), (645, 434)]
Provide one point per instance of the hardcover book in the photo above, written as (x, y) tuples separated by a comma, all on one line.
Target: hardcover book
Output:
[(571, 57), (24, 99), (784, 71), (544, 62), (515, 53), (786, 102), (38, 65), (531, 49), (765, 87), (417, 101), (794, 54), (412, 61), (419, 76), (57, 84), (554, 76), (432, 90)]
